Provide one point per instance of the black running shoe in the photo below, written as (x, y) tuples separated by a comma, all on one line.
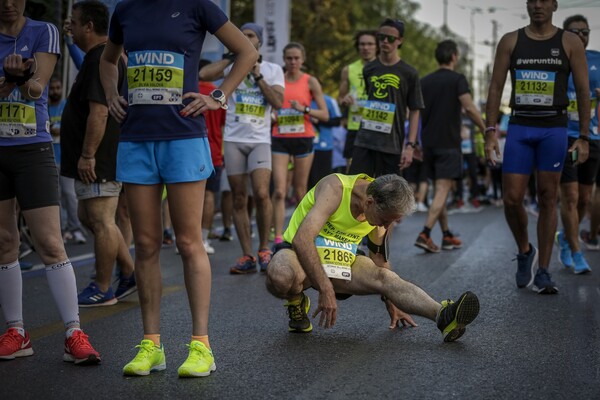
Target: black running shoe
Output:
[(453, 317), (298, 313)]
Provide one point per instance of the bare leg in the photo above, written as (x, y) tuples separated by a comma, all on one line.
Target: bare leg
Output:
[(144, 203), (186, 215), (514, 187), (547, 192)]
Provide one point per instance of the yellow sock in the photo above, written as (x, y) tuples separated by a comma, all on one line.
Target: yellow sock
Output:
[(202, 339), (154, 338)]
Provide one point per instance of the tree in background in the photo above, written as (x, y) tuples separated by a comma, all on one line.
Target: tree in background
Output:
[(326, 29)]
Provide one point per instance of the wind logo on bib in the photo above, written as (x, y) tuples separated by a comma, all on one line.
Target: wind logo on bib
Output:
[(534, 88), (155, 77), (336, 257)]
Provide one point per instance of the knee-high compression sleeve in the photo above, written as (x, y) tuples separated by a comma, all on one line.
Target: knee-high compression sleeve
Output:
[(11, 293), (61, 280)]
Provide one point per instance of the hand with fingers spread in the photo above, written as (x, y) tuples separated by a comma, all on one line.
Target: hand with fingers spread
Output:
[(327, 307), (398, 316)]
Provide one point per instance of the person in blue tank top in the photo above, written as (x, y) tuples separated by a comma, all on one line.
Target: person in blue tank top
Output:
[(577, 179), (28, 175), (163, 141), (540, 58)]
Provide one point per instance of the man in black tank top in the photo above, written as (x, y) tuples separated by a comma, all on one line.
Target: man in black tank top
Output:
[(540, 58)]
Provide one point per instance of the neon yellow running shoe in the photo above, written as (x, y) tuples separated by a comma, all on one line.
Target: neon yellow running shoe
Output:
[(148, 359), (200, 361), (297, 311), (453, 317)]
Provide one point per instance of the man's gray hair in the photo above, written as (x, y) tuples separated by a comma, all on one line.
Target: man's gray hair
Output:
[(392, 193)]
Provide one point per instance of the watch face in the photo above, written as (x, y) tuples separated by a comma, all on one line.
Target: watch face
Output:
[(217, 93)]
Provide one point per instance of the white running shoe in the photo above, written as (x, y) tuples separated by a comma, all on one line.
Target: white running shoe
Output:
[(78, 237), (209, 249), (421, 207)]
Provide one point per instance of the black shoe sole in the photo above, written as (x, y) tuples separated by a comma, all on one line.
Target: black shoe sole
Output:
[(466, 312)]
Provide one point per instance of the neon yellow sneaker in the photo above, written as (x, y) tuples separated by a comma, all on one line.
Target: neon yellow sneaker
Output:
[(297, 311), (148, 359), (453, 317), (200, 361)]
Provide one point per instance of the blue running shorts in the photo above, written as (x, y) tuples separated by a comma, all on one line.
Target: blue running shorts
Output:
[(164, 161), (531, 146)]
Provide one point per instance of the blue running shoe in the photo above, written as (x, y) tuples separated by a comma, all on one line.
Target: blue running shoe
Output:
[(91, 296), (526, 264), (566, 257), (264, 258), (543, 283), (581, 265), (126, 286), (245, 265)]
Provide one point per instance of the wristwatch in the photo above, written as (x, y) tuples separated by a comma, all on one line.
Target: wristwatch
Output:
[(218, 96), (411, 144), (306, 110)]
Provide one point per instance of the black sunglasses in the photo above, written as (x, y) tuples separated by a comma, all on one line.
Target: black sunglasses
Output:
[(584, 32), (382, 37)]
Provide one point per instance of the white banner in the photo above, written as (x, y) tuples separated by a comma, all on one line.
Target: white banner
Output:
[(274, 16)]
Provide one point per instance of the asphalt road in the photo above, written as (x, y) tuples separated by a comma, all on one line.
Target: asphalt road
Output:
[(522, 345)]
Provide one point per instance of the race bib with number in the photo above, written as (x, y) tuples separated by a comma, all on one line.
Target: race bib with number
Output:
[(573, 110), (17, 119), (250, 108), (155, 77), (378, 116), (336, 257), (290, 121), (534, 88)]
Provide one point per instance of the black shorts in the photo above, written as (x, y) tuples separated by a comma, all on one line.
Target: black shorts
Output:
[(415, 173), (213, 183), (584, 174), (297, 147), (28, 172), (373, 163), (349, 144), (443, 163), (286, 245)]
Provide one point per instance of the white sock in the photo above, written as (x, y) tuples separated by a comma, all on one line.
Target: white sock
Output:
[(11, 293), (61, 280)]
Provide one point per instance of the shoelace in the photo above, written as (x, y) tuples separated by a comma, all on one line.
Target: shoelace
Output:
[(243, 260), (264, 256), (295, 312), (80, 341), (198, 351), (147, 351), (11, 338)]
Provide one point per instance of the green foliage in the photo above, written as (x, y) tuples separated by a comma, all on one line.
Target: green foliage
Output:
[(326, 29)]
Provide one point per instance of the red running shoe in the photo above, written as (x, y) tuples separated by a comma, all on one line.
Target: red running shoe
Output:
[(451, 242), (78, 350), (426, 244), (13, 345)]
